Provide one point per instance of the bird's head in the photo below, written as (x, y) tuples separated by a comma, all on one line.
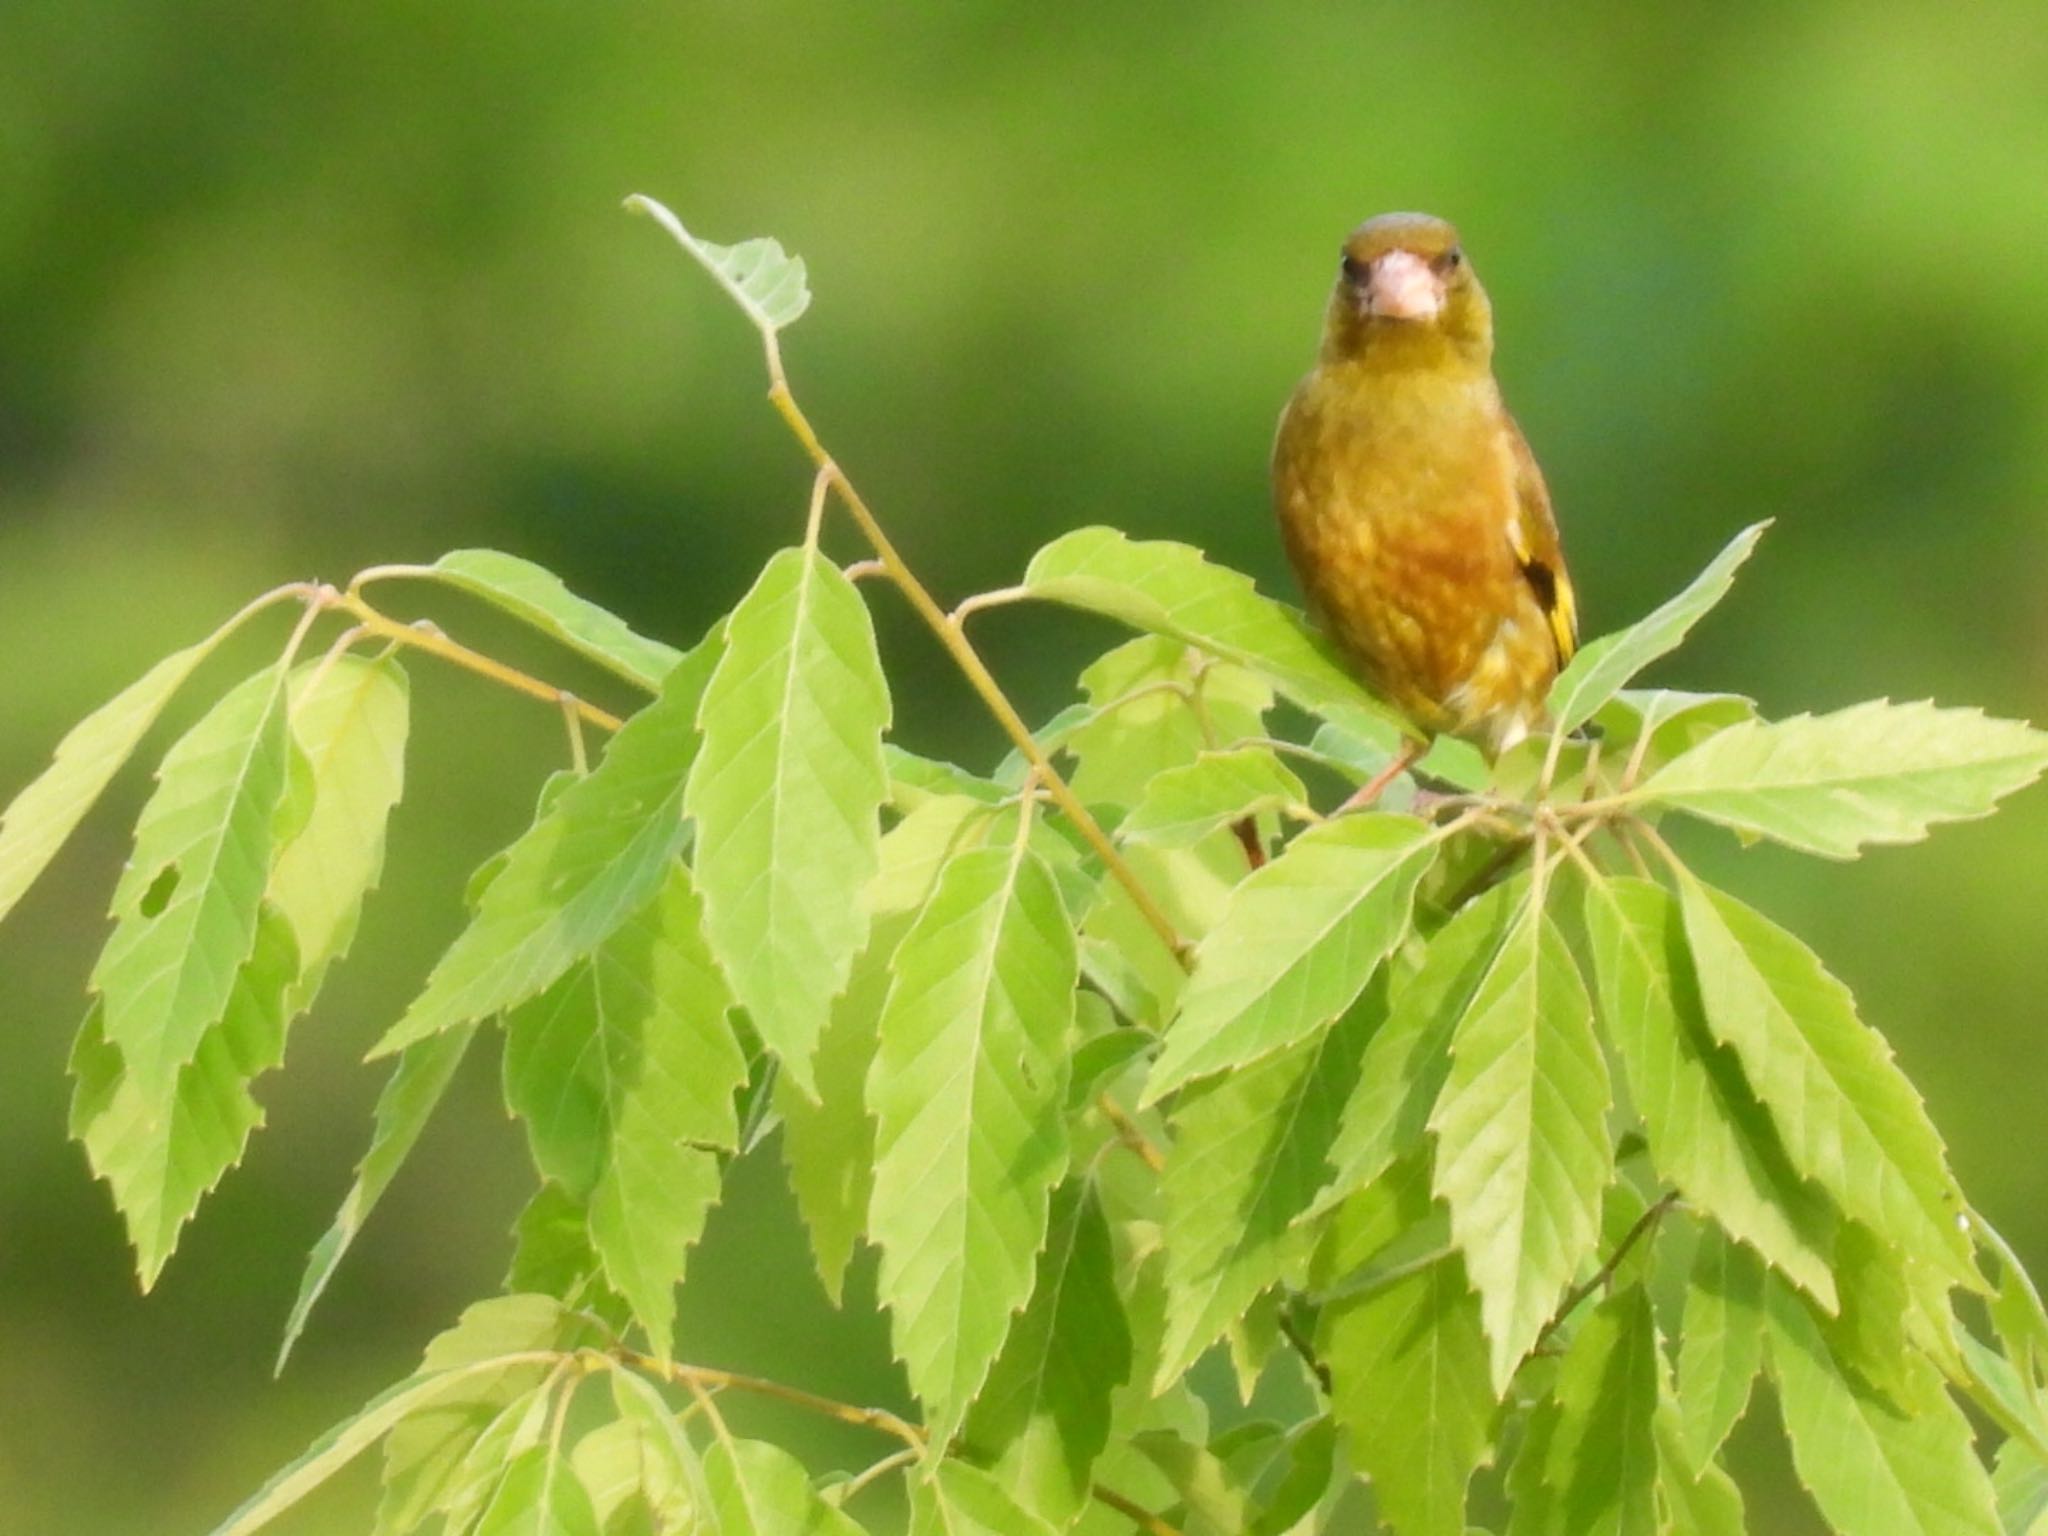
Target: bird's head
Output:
[(1406, 294)]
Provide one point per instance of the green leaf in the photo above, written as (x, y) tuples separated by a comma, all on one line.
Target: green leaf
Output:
[(497, 1356), (552, 1255), (1873, 773), (1144, 717), (159, 1158), (185, 911), (1849, 1119), (1298, 942), (1410, 1386), (46, 812), (2016, 1310), (787, 795), (408, 1100), (1673, 720), (758, 275), (539, 1494), (1408, 1058), (1522, 1146), (535, 596), (600, 849), (758, 1489), (1183, 805), (1604, 666), (349, 718), (1247, 1158), (1043, 1417), (632, 1484), (1171, 589), (967, 1090), (624, 1072), (1873, 1470), (1702, 1503), (1720, 1346), (959, 1500), (1708, 1134), (1602, 1458), (2020, 1481)]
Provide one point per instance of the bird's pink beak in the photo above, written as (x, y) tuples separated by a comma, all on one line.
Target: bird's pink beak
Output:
[(1402, 286)]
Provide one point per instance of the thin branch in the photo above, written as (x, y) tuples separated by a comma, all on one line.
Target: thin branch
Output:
[(704, 1378), (1578, 1293), (1130, 1133), (1290, 1330), (1137, 1514), (846, 1491), (980, 602)]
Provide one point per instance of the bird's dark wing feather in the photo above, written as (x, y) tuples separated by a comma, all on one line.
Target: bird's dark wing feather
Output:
[(1537, 550)]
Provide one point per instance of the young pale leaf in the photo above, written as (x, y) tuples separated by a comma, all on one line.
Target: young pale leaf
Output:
[(787, 796), (959, 1500), (1720, 1346), (624, 1072), (967, 1089), (185, 911), (535, 595), (599, 850), (1873, 1470), (2020, 1480), (1410, 1385), (1184, 805), (1043, 1418), (1848, 1118), (408, 1100), (1407, 1059), (1171, 589), (1604, 666), (1296, 945), (538, 1494), (349, 718), (496, 1358), (159, 1158), (44, 814), (1696, 1503), (763, 279), (758, 1489), (1522, 1146), (640, 1470), (1873, 773), (1708, 1134), (1248, 1156), (1602, 1458), (1143, 718)]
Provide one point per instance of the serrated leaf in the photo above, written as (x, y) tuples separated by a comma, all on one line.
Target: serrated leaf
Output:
[(409, 1098), (498, 1353), (1172, 589), (1408, 1058), (1849, 1119), (1602, 1458), (1708, 1134), (1183, 805), (764, 280), (967, 1090), (160, 1158), (758, 1489), (1720, 1346), (539, 1494), (1411, 1387), (1604, 666), (1247, 1158), (1043, 1416), (536, 596), (552, 1255), (599, 850), (1702, 1503), (1873, 773), (1296, 945), (185, 911), (1873, 1470), (630, 1482), (959, 1500), (787, 796), (35, 826), (1522, 1147), (2016, 1310), (624, 1072), (1153, 705), (349, 719)]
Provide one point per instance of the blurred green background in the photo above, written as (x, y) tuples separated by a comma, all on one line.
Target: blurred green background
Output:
[(289, 290)]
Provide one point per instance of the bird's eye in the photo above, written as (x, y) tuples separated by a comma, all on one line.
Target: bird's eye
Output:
[(1354, 269), (1454, 258)]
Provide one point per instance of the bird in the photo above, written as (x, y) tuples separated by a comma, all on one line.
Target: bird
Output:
[(1411, 508)]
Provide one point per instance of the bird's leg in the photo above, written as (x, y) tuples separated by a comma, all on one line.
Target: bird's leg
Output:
[(1370, 792)]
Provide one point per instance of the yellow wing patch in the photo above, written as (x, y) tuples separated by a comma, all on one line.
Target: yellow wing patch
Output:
[(1553, 589)]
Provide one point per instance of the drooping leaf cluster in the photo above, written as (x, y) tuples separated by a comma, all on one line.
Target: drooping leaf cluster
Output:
[(1495, 1152)]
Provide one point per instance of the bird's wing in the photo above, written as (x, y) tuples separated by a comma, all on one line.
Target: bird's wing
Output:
[(1533, 533)]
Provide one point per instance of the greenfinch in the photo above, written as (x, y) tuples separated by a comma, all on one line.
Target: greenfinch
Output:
[(1412, 510)]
